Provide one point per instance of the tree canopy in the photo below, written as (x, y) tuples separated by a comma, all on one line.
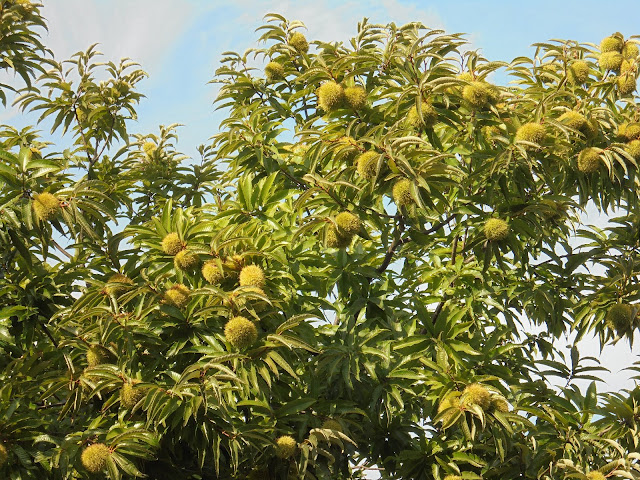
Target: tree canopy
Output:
[(369, 268)]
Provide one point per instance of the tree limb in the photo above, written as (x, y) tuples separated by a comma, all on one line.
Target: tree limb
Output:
[(397, 242)]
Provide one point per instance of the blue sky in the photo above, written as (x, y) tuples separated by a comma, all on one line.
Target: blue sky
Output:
[(179, 43)]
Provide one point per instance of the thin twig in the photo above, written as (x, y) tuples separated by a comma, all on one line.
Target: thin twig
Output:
[(106, 142), (390, 251), (62, 250), (51, 405), (48, 333)]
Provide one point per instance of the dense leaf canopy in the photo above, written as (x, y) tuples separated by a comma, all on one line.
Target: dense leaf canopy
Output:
[(370, 268)]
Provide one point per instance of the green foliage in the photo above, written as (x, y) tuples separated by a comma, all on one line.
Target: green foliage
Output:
[(379, 229), (23, 52)]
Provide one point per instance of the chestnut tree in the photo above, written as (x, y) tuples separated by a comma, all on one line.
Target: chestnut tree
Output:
[(370, 268)]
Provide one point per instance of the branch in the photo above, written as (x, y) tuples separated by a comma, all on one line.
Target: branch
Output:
[(87, 145), (97, 156), (48, 333), (297, 181), (439, 225), (62, 250), (439, 308), (51, 405), (390, 251), (397, 242), (331, 194)]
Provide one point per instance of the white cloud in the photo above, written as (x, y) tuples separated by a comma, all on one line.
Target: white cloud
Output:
[(9, 113), (143, 30), (616, 358), (405, 13)]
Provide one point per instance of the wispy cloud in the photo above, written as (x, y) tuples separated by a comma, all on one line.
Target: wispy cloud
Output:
[(144, 30), (8, 114), (330, 20)]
